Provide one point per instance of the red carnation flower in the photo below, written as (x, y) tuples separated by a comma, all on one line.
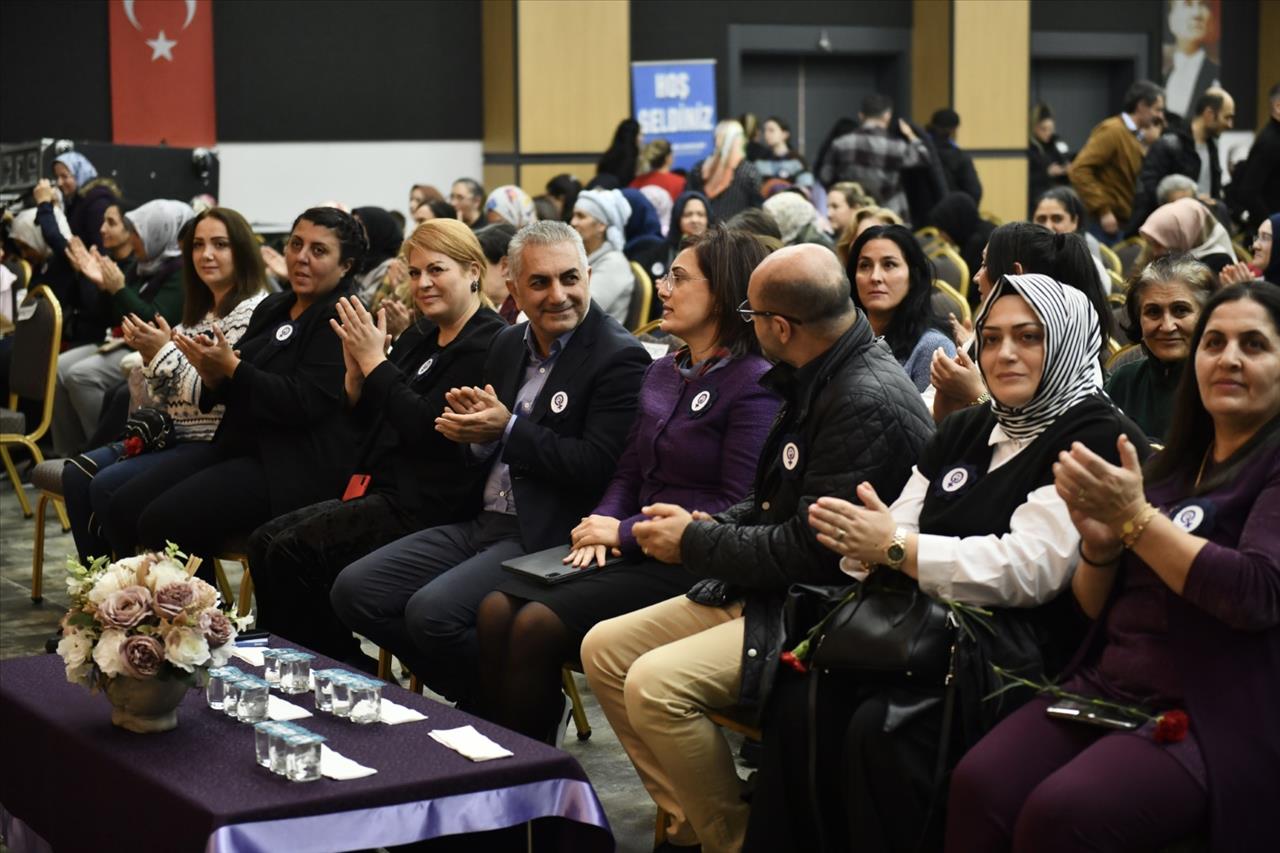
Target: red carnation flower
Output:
[(794, 662), (1171, 727), (133, 446)]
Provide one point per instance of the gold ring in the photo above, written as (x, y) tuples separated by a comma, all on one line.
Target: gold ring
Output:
[(840, 536)]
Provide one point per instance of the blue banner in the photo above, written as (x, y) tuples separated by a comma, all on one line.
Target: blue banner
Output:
[(676, 101)]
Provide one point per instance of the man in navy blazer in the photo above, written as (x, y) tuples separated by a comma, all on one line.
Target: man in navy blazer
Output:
[(549, 425)]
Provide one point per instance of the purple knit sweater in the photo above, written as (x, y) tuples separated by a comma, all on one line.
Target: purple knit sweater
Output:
[(700, 460)]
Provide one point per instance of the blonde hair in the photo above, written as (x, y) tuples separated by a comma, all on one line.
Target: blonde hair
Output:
[(453, 239), (882, 215)]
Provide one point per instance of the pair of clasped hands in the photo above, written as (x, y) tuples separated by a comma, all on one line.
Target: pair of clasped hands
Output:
[(208, 352), (597, 536)]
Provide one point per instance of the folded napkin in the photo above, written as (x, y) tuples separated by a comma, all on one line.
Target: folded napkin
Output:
[(278, 709), (394, 715), (336, 766), (251, 656), (465, 740)]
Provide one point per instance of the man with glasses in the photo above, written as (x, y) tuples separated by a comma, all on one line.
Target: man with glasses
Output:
[(849, 415)]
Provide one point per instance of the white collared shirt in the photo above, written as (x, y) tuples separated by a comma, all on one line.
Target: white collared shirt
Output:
[(1027, 566), (1180, 88)]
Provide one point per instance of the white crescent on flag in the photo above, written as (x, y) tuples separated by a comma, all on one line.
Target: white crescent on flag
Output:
[(133, 18)]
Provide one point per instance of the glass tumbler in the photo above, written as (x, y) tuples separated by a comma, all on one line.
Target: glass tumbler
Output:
[(252, 704), (366, 700)]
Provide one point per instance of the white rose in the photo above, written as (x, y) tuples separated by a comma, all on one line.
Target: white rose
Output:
[(206, 594), (185, 648), (113, 580), (74, 648), (107, 653), (165, 572), (221, 655)]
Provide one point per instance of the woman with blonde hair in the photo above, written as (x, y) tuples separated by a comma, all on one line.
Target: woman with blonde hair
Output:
[(405, 477), (727, 178), (860, 221)]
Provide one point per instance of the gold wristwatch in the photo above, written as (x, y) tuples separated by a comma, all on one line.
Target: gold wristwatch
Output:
[(896, 551)]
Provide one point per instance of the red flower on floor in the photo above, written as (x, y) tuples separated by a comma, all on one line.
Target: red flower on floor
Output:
[(1171, 727), (133, 446), (794, 662)]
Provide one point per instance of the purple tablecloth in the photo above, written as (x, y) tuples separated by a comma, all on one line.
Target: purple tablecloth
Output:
[(81, 783)]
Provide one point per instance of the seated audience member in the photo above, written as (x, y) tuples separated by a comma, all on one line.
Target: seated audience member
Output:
[(1188, 226), (564, 190), (380, 270), (1265, 263), (690, 217), (1105, 171), (701, 421), (869, 155), (467, 197), (864, 218), (619, 161), (223, 279), (642, 234), (957, 165), (760, 222), (662, 206), (1001, 538), (416, 478), (86, 372), (511, 205), (85, 196), (545, 208), (893, 284), (420, 194), (1186, 149), (55, 270), (1062, 212), (494, 240), (797, 219), (729, 180), (1161, 307), (843, 201), (280, 444), (600, 216), (956, 218), (1016, 248), (656, 158), (1179, 571), (547, 428), (429, 210), (849, 415), (779, 159), (1047, 159)]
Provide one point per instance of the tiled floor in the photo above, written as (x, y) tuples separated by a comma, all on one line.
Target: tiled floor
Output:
[(24, 628)]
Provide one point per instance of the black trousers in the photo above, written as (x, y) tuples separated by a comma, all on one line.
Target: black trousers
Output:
[(295, 557), (869, 789)]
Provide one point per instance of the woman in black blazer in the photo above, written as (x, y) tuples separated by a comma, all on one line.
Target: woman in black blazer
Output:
[(281, 442), (407, 476)]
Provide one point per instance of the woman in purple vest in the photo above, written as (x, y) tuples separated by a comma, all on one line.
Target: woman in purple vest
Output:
[(701, 422), (1180, 569)]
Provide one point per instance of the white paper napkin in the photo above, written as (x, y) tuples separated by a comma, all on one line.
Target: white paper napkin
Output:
[(278, 709), (334, 765), (251, 656), (465, 740), (394, 715)]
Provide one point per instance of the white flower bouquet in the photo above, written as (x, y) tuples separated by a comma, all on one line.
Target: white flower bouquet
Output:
[(143, 617)]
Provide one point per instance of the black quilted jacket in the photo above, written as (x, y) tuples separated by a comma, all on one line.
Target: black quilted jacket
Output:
[(850, 415)]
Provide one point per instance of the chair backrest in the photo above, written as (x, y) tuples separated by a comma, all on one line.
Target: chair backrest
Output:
[(1110, 259), (641, 298), (951, 268), (1242, 254), (36, 337), (1128, 252), (990, 217), (946, 299), (1125, 355), (1118, 284)]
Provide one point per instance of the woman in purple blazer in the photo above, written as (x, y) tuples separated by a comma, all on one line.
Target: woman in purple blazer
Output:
[(701, 422), (1182, 578)]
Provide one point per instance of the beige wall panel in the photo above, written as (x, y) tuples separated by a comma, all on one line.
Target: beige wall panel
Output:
[(930, 58), (1004, 186), (498, 40), (497, 176), (574, 73), (992, 71), (1268, 57), (534, 176)]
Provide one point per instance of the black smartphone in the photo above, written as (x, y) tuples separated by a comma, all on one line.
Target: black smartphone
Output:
[(1091, 715)]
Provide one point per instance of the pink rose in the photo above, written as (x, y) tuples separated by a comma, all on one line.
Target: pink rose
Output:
[(173, 598), (217, 627), (125, 608), (142, 655)]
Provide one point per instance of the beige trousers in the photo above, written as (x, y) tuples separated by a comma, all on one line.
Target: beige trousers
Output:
[(656, 672)]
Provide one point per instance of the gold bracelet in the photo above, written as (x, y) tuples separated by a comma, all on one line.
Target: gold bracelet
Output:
[(1133, 529), (982, 400)]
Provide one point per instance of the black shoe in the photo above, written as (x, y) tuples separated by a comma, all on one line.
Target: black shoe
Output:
[(51, 644)]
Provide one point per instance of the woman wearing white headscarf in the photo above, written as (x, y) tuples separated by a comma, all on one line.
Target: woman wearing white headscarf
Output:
[(600, 217), (726, 177), (979, 522), (797, 219), (154, 286), (511, 205)]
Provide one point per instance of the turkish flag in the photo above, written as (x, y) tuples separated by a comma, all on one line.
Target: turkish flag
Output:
[(162, 72)]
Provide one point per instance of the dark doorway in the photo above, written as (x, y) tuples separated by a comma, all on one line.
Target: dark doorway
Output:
[(1081, 92)]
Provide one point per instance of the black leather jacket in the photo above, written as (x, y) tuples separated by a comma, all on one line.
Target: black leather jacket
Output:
[(849, 415)]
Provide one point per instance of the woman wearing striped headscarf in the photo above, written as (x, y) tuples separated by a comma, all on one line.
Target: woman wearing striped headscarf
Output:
[(979, 522)]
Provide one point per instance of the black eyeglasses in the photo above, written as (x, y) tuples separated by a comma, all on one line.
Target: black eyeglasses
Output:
[(746, 313)]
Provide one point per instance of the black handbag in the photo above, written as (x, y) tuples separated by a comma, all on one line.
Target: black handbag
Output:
[(889, 632), (148, 429)]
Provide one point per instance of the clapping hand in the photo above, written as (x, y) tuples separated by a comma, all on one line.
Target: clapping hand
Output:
[(859, 532), (213, 359), (275, 263), (365, 340), (1096, 489), (112, 277), (593, 539), (146, 338), (473, 416), (398, 316), (43, 191), (1237, 273), (958, 379)]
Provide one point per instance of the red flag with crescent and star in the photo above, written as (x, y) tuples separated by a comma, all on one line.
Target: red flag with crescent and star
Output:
[(162, 72)]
